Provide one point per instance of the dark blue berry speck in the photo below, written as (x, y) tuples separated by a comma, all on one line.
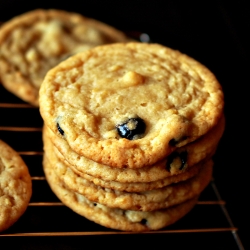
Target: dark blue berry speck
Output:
[(183, 157), (59, 129), (132, 129)]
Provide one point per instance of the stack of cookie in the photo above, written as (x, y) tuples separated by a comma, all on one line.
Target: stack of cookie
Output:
[(34, 42), (129, 133)]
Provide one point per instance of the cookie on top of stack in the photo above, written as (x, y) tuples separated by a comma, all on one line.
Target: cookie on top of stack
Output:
[(129, 133), (34, 42)]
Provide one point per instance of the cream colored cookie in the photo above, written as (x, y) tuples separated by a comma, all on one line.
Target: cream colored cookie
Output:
[(52, 153), (34, 42), (126, 220), (135, 186), (142, 201), (15, 186), (130, 105), (196, 152)]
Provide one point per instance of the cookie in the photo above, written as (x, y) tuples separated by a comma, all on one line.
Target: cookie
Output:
[(135, 186), (119, 219), (52, 153), (196, 152), (15, 186), (34, 42), (142, 201), (129, 105)]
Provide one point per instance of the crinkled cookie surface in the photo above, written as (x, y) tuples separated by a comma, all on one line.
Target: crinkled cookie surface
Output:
[(96, 98), (15, 186), (34, 42)]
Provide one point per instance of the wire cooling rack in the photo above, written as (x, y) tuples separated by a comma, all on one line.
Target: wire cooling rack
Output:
[(48, 223)]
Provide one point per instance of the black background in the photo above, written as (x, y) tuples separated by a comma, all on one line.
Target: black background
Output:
[(216, 34)]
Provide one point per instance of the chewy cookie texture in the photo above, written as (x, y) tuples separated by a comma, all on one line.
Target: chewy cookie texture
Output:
[(34, 42), (182, 158), (126, 220), (97, 100), (15, 186), (148, 200), (129, 133)]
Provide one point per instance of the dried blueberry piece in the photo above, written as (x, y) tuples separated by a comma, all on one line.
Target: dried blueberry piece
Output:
[(59, 129), (132, 129), (143, 221), (181, 155)]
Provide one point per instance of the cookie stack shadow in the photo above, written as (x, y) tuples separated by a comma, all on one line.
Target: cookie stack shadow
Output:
[(148, 198)]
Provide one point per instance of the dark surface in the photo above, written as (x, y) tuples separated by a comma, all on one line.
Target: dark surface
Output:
[(216, 34)]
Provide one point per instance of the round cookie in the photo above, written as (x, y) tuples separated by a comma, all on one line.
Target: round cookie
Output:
[(126, 220), (34, 42), (130, 105), (15, 186), (197, 151), (136, 186), (65, 167), (142, 201)]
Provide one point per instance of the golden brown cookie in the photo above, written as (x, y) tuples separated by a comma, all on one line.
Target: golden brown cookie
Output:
[(134, 186), (142, 201), (15, 186), (34, 42), (130, 105), (126, 220), (54, 155), (191, 154)]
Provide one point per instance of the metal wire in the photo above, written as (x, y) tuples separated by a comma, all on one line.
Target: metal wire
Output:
[(41, 178)]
